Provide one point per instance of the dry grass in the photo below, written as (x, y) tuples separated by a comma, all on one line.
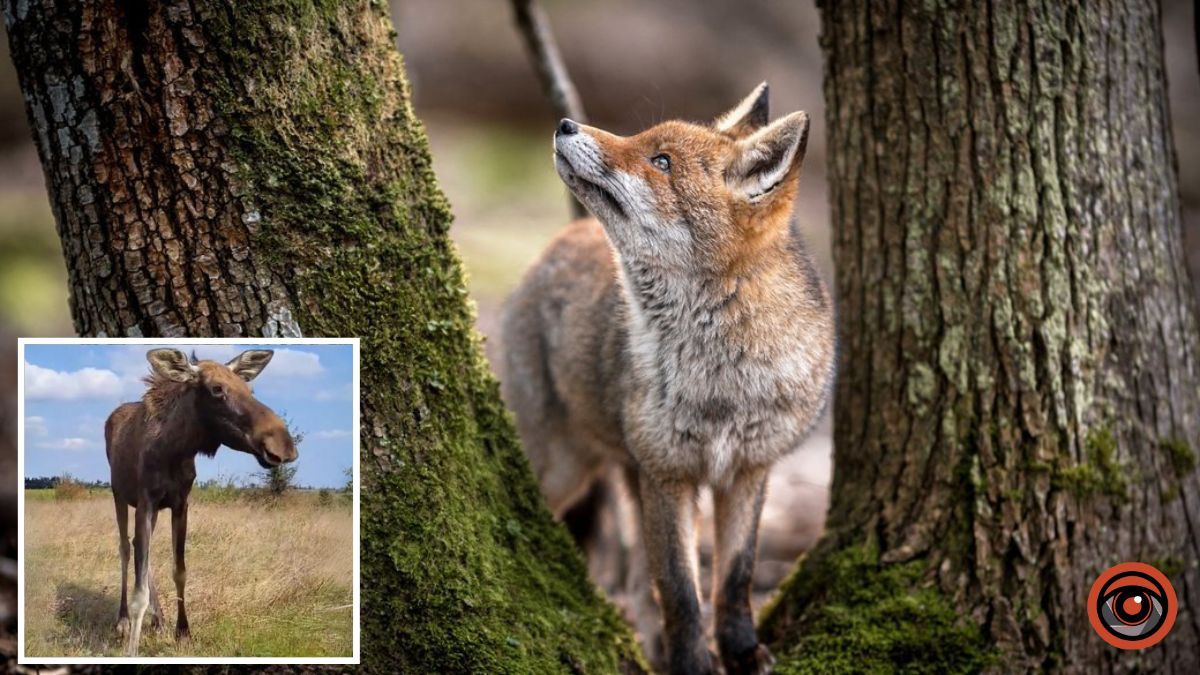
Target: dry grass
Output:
[(262, 580)]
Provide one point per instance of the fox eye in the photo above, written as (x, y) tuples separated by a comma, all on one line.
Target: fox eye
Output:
[(662, 163)]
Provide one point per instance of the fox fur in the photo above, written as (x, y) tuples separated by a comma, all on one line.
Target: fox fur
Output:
[(683, 334)]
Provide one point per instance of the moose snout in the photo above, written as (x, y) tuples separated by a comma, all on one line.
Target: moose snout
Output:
[(277, 447)]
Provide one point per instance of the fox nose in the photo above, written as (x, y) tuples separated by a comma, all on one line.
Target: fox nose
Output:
[(566, 127)]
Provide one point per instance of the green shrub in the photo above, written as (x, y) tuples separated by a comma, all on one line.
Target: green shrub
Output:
[(219, 490), (68, 488)]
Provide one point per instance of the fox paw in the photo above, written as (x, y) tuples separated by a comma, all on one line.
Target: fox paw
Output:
[(757, 661)]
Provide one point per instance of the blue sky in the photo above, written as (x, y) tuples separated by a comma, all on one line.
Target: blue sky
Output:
[(71, 389)]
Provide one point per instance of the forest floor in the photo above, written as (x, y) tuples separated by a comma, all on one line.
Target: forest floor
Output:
[(263, 580)]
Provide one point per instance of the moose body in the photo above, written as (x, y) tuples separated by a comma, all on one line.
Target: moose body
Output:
[(685, 337), (190, 407)]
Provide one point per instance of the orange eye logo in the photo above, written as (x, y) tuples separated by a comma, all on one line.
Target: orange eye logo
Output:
[(1132, 606)]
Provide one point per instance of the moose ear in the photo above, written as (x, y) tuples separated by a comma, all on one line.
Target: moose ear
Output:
[(748, 116), (171, 364), (250, 363), (766, 158)]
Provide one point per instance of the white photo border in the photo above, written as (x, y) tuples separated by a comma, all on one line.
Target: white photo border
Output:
[(22, 659)]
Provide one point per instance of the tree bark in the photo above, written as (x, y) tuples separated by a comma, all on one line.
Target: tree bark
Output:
[(1019, 395), (222, 168)]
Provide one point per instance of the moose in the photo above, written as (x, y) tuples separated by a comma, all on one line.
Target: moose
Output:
[(190, 407)]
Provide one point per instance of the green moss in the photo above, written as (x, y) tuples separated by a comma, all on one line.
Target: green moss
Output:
[(463, 568), (1102, 474), (1035, 466), (1081, 480), (1171, 565), (1171, 494), (1183, 461), (1183, 458), (845, 612)]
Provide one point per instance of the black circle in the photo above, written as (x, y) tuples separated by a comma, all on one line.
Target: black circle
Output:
[(1153, 588), (1122, 596)]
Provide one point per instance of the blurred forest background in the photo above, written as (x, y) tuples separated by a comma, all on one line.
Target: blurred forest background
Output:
[(634, 63)]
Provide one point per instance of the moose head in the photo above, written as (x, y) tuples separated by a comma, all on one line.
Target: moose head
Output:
[(224, 404)]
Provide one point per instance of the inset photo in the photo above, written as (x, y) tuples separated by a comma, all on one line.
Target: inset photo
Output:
[(188, 500)]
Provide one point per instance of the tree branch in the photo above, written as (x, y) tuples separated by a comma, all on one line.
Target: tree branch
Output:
[(551, 71)]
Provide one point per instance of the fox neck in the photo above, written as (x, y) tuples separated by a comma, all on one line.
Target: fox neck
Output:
[(716, 312)]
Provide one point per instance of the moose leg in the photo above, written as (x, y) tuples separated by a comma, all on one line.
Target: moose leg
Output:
[(178, 537), (156, 614), (141, 576), (123, 545), (737, 508), (668, 531)]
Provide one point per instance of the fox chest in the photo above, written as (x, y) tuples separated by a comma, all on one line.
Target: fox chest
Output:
[(708, 415)]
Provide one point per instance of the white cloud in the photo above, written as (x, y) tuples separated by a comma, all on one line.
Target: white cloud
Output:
[(45, 383), (332, 433), (72, 443), (35, 426), (294, 363), (287, 363), (88, 424)]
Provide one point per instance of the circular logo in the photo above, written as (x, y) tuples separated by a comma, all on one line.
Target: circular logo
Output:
[(1132, 605)]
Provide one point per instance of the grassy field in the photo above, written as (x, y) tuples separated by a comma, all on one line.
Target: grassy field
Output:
[(263, 580)]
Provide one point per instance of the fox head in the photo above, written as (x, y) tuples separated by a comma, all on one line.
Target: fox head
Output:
[(689, 196)]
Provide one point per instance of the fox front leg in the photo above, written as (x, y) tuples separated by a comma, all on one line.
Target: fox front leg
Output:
[(668, 530), (737, 508)]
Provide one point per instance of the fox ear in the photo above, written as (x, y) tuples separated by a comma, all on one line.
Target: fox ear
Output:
[(767, 157), (748, 116)]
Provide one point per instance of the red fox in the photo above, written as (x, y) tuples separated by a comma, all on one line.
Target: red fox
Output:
[(683, 334)]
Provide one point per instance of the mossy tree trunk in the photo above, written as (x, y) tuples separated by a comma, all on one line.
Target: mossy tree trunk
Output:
[(247, 168), (1019, 395)]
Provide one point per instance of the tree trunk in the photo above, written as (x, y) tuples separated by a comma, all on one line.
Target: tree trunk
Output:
[(1019, 398), (255, 168)]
